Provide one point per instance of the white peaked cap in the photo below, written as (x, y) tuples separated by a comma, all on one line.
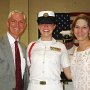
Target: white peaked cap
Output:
[(68, 32), (50, 13)]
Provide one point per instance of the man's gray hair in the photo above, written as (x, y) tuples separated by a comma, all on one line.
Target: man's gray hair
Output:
[(16, 11)]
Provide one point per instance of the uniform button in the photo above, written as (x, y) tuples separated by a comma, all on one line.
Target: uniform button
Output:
[(13, 89), (43, 62), (42, 71)]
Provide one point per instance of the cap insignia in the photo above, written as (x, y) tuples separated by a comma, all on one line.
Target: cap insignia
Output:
[(45, 15)]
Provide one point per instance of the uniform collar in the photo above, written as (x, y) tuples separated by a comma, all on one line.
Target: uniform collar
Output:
[(53, 41), (71, 50)]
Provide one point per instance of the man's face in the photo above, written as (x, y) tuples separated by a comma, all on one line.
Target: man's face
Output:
[(69, 45), (16, 25)]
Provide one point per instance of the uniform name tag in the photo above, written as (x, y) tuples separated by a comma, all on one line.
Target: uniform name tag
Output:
[(55, 49), (43, 82)]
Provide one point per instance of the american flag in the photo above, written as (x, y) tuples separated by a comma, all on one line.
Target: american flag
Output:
[(63, 23)]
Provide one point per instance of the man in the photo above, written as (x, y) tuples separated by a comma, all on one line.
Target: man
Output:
[(47, 56), (69, 43), (16, 25)]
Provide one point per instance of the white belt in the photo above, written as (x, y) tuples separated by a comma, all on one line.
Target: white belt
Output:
[(42, 82)]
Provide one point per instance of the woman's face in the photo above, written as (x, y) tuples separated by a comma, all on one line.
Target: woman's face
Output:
[(81, 30), (46, 30)]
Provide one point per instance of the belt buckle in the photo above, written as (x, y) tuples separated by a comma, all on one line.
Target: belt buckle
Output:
[(43, 82)]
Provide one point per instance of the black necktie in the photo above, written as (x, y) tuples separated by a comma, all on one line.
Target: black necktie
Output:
[(18, 67)]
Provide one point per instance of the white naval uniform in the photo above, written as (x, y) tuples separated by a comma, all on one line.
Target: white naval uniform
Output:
[(47, 57), (69, 86)]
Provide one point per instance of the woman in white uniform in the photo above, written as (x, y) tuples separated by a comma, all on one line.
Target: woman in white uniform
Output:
[(80, 65), (47, 56)]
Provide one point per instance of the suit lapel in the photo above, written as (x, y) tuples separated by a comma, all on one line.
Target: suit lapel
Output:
[(9, 54), (26, 73)]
